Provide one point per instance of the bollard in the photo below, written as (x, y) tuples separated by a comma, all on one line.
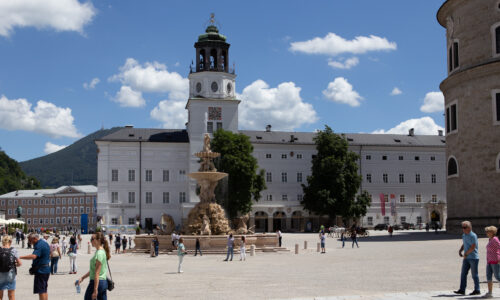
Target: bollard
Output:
[(252, 250), (89, 248), (23, 243), (318, 248), (305, 244), (152, 250), (296, 248)]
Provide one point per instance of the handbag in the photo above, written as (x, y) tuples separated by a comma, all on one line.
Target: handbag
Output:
[(111, 283)]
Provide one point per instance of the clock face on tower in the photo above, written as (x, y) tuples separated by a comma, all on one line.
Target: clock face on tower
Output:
[(215, 87), (198, 87)]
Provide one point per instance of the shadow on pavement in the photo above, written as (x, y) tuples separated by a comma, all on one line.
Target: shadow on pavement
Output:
[(406, 236)]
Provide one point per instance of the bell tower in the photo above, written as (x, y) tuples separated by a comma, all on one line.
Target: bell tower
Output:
[(212, 104)]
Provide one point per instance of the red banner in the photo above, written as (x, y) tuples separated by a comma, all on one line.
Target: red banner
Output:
[(382, 204)]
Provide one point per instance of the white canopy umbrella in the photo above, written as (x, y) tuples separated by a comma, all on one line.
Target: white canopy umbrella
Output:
[(3, 221), (15, 221)]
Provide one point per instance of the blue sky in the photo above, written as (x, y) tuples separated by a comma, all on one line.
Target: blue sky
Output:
[(69, 67)]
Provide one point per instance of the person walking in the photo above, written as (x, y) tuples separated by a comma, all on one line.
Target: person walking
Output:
[(354, 236), (55, 254), (97, 274), (243, 255), (470, 259), (72, 254), (390, 230), (156, 245), (118, 244), (279, 237), (9, 260), (322, 237), (181, 251), (492, 259), (64, 244), (342, 238), (40, 265), (23, 238), (124, 243), (230, 247), (18, 237), (198, 247)]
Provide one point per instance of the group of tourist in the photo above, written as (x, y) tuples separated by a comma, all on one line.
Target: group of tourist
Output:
[(230, 248), (322, 237), (120, 242)]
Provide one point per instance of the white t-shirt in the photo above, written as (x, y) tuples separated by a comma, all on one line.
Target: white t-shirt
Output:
[(279, 233)]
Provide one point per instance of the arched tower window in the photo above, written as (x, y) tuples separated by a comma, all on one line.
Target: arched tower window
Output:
[(213, 59), (495, 39), (202, 59), (223, 58), (452, 167)]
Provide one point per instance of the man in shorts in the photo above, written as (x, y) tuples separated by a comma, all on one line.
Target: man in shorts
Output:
[(40, 265)]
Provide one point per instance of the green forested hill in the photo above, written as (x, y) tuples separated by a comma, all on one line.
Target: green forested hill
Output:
[(12, 178), (73, 165)]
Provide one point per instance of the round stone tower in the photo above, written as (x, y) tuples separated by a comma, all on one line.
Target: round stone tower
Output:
[(472, 112)]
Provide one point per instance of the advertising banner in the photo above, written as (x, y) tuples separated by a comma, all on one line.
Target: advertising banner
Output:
[(382, 204)]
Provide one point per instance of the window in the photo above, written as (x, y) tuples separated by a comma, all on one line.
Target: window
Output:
[(29, 221), (131, 175), (58, 201), (495, 32), (386, 220), (403, 219), (51, 220), (75, 210), (82, 201), (47, 211), (269, 177), (284, 197), (114, 221), (210, 127), (131, 221), (433, 178), (87, 200), (35, 221), (70, 200), (496, 106), (114, 198), (417, 157), (149, 175), (182, 197), (368, 157), (299, 177), (70, 210), (385, 178), (401, 178), (63, 201), (299, 156), (400, 157), (283, 156), (418, 198), (35, 211), (452, 167), (419, 219), (384, 157), (268, 155), (455, 55), (498, 163), (300, 197), (29, 211), (46, 221), (417, 178), (87, 210), (63, 220), (434, 198), (131, 197), (63, 210), (370, 221), (166, 197), (166, 175), (269, 197), (10, 211), (450, 60), (114, 175), (58, 210), (284, 177), (433, 158), (451, 118), (219, 125), (402, 198), (369, 178), (149, 197), (386, 198)]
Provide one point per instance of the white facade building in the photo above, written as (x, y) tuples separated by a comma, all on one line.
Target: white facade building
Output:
[(142, 173)]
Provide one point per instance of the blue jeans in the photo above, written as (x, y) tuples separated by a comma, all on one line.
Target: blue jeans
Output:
[(156, 250), (229, 251), (101, 290), (469, 264), (355, 240), (53, 265), (492, 269)]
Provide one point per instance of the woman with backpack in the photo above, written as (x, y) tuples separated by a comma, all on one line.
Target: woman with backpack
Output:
[(55, 254), (98, 269), (72, 255), (9, 260)]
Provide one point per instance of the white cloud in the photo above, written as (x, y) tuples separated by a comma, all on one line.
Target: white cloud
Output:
[(282, 107), (152, 78), (172, 114), (396, 91), (51, 148), (333, 44), (177, 64), (60, 15), (423, 126), (127, 97), (433, 102), (341, 91), (45, 118), (347, 64), (91, 85)]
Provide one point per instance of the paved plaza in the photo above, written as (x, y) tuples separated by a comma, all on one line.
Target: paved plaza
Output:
[(411, 265)]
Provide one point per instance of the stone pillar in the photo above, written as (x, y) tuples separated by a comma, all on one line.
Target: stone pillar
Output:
[(252, 250), (318, 247), (89, 249), (305, 245), (296, 248), (207, 59), (270, 224)]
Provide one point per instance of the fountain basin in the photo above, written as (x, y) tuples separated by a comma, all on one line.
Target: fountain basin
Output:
[(207, 176)]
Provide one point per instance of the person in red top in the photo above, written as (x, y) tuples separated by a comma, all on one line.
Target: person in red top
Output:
[(492, 259)]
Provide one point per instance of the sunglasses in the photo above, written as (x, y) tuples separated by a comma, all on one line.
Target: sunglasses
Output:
[(465, 227)]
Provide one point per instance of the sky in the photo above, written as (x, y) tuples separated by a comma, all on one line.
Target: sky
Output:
[(69, 68)]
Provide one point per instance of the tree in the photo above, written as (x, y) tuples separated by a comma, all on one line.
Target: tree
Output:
[(334, 181), (13, 178), (243, 182)]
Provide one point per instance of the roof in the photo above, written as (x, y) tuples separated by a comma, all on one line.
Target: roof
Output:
[(354, 139), (87, 189), (211, 34), (130, 134)]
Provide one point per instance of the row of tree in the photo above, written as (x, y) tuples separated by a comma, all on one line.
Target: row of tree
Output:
[(331, 189), (12, 178)]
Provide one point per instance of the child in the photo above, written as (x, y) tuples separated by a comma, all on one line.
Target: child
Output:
[(181, 251), (243, 255), (64, 245), (322, 237)]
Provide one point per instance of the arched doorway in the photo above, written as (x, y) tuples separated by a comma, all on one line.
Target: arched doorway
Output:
[(279, 221), (297, 221), (261, 221), (436, 219)]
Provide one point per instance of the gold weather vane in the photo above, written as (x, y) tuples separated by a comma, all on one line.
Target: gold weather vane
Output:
[(212, 18)]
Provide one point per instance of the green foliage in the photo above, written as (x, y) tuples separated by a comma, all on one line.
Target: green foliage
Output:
[(73, 165), (244, 183), (331, 189), (12, 177)]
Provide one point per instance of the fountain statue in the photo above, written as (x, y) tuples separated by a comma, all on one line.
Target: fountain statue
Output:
[(207, 217)]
